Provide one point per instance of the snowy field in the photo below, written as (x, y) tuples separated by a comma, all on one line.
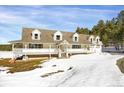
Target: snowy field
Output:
[(6, 54), (86, 70)]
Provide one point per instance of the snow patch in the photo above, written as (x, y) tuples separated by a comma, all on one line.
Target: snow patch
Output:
[(6, 54)]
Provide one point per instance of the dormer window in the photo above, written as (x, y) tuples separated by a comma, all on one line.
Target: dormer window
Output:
[(91, 39), (97, 39), (75, 37), (36, 35), (57, 36)]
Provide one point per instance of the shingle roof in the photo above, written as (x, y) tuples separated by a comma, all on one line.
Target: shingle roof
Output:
[(47, 36)]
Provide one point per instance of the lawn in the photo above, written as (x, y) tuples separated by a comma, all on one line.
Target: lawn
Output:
[(21, 66), (120, 64)]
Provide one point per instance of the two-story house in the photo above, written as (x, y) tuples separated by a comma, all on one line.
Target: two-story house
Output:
[(52, 42)]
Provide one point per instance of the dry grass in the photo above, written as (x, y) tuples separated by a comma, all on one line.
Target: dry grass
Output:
[(51, 73), (20, 66), (120, 64)]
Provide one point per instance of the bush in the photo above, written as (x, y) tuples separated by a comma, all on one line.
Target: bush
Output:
[(6, 47), (120, 64)]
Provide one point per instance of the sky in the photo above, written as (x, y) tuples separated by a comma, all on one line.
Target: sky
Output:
[(66, 18)]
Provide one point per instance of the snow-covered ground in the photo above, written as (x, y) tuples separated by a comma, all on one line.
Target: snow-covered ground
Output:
[(87, 70), (6, 54)]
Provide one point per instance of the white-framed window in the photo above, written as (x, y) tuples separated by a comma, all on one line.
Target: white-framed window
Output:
[(91, 39), (75, 37), (76, 46), (35, 45), (97, 39), (36, 35), (57, 36)]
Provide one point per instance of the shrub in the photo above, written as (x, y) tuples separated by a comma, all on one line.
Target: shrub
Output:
[(120, 64), (5, 47)]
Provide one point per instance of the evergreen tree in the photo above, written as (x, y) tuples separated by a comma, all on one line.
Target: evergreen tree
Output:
[(78, 29), (111, 31), (82, 30)]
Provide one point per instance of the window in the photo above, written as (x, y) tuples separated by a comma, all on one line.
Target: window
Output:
[(36, 36), (57, 37), (91, 40), (35, 45), (75, 38), (76, 46), (97, 40)]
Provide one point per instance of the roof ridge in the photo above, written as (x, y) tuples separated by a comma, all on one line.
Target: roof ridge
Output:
[(47, 29), (53, 30)]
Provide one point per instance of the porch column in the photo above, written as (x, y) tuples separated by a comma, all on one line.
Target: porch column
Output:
[(25, 46), (24, 50), (100, 48), (12, 47), (70, 47), (59, 52), (67, 51), (13, 57), (50, 51)]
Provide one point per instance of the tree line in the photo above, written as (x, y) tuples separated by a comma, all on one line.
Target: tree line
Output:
[(111, 31)]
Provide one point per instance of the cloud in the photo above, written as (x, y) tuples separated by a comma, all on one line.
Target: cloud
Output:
[(48, 15), (13, 18)]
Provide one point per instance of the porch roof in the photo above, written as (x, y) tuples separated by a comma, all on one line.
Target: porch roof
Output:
[(21, 41), (16, 41), (59, 42)]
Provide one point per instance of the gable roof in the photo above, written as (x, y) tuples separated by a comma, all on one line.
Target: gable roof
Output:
[(47, 36)]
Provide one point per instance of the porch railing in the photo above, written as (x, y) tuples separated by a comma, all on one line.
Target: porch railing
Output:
[(32, 51)]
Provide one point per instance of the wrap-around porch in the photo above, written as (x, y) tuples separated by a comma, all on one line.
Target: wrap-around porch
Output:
[(59, 49)]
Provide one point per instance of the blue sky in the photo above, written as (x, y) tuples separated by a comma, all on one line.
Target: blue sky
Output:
[(67, 18)]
